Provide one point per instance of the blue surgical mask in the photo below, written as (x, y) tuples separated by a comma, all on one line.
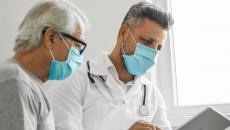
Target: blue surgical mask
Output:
[(141, 61), (61, 70)]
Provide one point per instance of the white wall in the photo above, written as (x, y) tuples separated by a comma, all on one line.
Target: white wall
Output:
[(11, 14)]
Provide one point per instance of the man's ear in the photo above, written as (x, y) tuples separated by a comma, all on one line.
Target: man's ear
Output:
[(122, 35), (49, 38)]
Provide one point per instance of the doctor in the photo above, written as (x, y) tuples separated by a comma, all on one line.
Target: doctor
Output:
[(110, 93)]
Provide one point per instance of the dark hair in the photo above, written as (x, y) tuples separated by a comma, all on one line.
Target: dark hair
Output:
[(143, 10)]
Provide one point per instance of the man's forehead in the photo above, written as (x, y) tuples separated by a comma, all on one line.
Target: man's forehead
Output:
[(148, 28)]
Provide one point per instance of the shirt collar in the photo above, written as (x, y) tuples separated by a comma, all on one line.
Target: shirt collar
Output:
[(34, 78), (102, 65), (97, 66)]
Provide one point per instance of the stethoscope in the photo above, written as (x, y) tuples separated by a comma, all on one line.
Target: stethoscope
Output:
[(143, 109)]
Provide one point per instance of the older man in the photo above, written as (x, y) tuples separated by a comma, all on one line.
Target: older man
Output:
[(48, 46), (111, 92)]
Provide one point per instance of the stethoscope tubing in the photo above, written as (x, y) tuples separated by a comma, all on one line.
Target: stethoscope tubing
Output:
[(101, 79)]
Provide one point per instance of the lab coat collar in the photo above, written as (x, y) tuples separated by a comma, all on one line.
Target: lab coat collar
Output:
[(109, 65), (97, 65), (101, 64)]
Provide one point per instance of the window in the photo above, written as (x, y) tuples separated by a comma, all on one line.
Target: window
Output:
[(202, 51), (194, 67)]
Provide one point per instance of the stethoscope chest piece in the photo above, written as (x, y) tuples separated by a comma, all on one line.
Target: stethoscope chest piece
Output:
[(143, 110)]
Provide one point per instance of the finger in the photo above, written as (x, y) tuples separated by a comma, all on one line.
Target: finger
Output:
[(153, 128), (157, 128), (140, 127), (143, 128), (144, 123)]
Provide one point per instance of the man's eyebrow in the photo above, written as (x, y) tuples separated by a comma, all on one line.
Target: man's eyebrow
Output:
[(150, 40)]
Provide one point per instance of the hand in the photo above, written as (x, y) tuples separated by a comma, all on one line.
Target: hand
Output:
[(142, 125)]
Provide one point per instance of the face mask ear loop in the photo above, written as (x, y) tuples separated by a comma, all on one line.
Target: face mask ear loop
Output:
[(124, 44), (51, 53), (64, 41), (122, 48), (132, 36)]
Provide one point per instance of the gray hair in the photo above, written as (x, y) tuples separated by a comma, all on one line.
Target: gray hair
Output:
[(138, 12), (60, 15)]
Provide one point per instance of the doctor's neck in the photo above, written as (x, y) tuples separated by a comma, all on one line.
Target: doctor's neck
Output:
[(117, 60)]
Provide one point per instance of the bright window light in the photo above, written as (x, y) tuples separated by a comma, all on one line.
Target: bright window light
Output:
[(202, 51)]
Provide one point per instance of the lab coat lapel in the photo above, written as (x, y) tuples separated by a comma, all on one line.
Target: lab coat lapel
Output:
[(97, 66), (115, 88)]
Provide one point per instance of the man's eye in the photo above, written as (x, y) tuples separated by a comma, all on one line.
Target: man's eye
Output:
[(76, 44), (159, 47), (147, 43)]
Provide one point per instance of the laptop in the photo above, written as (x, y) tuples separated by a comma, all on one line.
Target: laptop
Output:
[(209, 119)]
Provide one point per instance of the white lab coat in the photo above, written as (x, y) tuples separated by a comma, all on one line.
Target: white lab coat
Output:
[(80, 106)]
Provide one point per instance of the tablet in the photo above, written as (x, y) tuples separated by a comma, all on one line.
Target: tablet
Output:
[(209, 119)]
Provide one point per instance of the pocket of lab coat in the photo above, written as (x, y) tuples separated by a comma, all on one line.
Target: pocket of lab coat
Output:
[(103, 116)]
